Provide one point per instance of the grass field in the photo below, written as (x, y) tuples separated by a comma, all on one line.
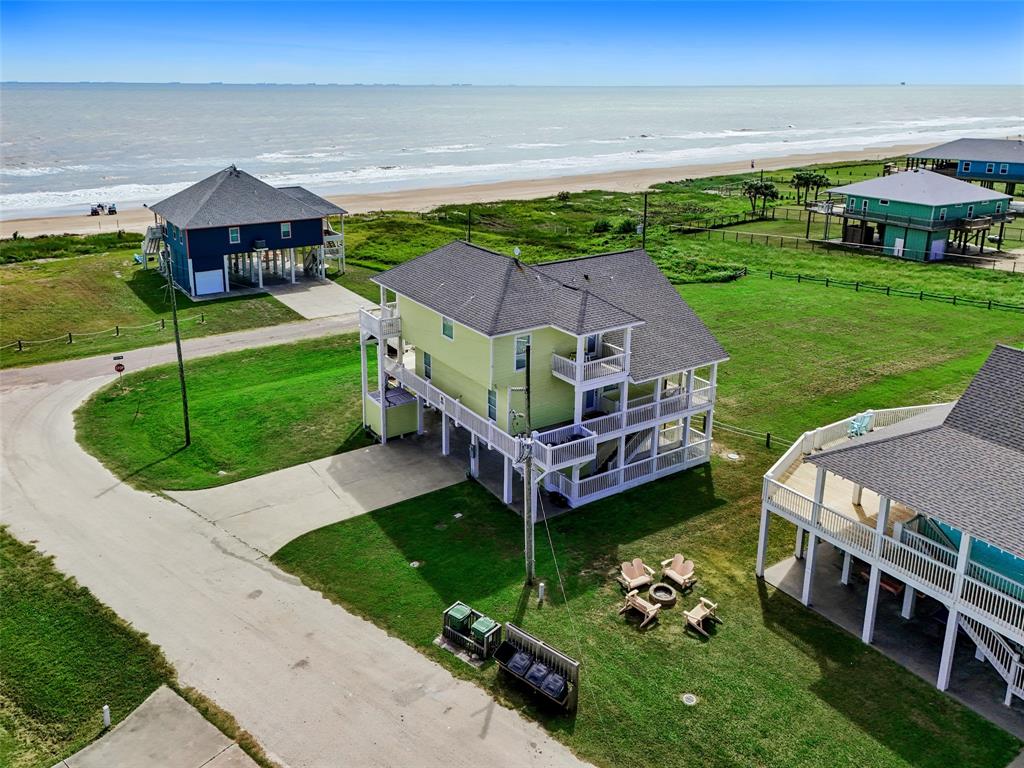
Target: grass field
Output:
[(251, 412), (64, 656), (94, 293)]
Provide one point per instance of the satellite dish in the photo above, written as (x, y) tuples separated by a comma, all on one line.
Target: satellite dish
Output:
[(516, 250)]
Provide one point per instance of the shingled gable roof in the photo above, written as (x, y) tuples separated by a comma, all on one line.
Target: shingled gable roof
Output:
[(921, 187), (322, 206), (495, 295), (991, 150), (231, 198), (967, 470)]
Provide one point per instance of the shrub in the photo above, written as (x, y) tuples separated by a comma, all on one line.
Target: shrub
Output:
[(562, 197), (625, 227), (601, 225)]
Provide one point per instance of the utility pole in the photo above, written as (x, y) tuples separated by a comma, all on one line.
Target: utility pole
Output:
[(644, 232), (469, 224), (529, 513), (177, 346)]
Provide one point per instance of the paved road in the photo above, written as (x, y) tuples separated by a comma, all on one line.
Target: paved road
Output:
[(163, 731), (316, 685)]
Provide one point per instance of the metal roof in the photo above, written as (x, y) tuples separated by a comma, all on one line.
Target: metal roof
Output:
[(232, 197), (990, 150), (921, 187), (495, 295), (967, 471)]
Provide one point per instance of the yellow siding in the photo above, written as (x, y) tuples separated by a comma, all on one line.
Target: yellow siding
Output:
[(551, 399)]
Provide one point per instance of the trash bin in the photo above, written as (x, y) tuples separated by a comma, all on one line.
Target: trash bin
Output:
[(481, 627), (458, 617)]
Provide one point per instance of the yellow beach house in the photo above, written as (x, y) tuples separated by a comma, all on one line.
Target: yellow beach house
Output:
[(593, 371)]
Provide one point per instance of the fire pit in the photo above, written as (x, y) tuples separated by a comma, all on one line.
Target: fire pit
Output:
[(663, 594)]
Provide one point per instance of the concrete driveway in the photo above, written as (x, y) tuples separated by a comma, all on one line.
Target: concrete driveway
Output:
[(163, 731), (267, 512), (314, 684), (313, 299)]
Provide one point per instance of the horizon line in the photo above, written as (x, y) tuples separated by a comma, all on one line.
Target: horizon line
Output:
[(895, 84)]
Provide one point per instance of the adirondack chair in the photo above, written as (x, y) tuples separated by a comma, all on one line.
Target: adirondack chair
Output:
[(635, 602), (680, 571), (705, 610), (635, 575), (860, 424)]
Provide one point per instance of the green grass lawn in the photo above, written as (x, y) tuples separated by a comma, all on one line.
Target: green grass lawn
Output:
[(45, 299), (779, 685), (251, 412), (64, 656)]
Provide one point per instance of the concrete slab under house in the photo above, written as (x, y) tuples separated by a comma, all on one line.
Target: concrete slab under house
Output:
[(573, 380), (231, 233), (917, 214), (920, 509), (985, 161)]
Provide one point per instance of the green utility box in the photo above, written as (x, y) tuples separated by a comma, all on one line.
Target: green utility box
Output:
[(481, 627), (458, 617)]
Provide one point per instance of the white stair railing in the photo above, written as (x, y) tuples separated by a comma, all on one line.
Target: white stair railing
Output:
[(999, 653)]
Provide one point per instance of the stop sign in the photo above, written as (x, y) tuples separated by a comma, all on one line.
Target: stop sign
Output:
[(119, 367)]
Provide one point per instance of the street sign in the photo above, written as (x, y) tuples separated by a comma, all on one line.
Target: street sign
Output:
[(119, 367)]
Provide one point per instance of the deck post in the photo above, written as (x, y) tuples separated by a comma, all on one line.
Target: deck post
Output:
[(291, 254), (809, 562), (363, 373), (506, 486), (868, 632), (858, 494), (909, 601), (227, 274), (446, 447), (844, 577), (948, 649), (382, 386), (419, 415), (474, 455), (259, 268), (798, 546), (762, 541)]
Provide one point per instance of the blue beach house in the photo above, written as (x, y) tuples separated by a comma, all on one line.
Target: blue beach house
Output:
[(231, 229), (986, 161)]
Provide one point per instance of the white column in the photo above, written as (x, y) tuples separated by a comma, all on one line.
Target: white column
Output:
[(812, 538), (363, 373), (948, 649), (259, 268), (419, 415), (909, 600), (844, 577), (627, 347), (762, 541), (445, 435), (474, 455), (858, 492), (227, 274), (798, 545), (506, 486), (871, 609), (291, 253), (577, 414)]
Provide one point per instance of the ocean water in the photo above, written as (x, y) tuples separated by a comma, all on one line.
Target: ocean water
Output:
[(65, 146)]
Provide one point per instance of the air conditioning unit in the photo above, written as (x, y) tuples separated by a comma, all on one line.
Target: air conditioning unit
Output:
[(259, 245)]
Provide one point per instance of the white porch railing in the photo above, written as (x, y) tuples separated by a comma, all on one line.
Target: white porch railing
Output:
[(1000, 654), (381, 322), (565, 446), (597, 486), (646, 411), (994, 600), (585, 371)]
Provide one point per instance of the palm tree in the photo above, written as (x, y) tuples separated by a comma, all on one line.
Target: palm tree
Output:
[(819, 180), (802, 181), (752, 190), (768, 192)]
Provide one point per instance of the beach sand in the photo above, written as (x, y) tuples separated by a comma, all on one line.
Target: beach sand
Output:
[(136, 219)]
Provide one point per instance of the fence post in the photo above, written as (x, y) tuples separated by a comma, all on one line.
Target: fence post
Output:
[(856, 286), (990, 303), (954, 300), (798, 277), (163, 324), (768, 440), (117, 330), (70, 340), (826, 282), (921, 297), (202, 318), (887, 289), (20, 348), (771, 274)]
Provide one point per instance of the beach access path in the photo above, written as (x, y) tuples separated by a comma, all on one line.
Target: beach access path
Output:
[(314, 684), (424, 199)]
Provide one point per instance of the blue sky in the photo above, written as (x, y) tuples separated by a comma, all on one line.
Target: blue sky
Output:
[(577, 43)]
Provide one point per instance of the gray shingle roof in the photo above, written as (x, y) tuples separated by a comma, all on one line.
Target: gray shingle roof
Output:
[(232, 198), (922, 187), (991, 150), (317, 203), (967, 471), (495, 294)]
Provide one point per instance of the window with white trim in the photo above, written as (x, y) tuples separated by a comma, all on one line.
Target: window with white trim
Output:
[(427, 365), (999, 207), (965, 167), (942, 214), (990, 167), (864, 205), (492, 404), (234, 236), (883, 202), (522, 345), (970, 211), (286, 230), (1004, 168), (447, 327)]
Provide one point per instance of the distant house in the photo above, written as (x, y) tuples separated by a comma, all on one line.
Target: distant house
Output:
[(983, 160), (233, 229), (926, 504), (916, 214), (594, 367)]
